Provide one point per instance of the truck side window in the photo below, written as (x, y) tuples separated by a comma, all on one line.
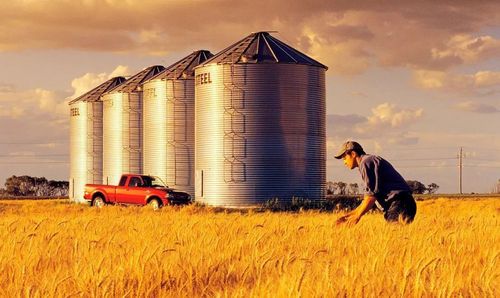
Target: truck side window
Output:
[(123, 180), (135, 182)]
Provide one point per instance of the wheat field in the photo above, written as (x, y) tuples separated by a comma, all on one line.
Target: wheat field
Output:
[(57, 249)]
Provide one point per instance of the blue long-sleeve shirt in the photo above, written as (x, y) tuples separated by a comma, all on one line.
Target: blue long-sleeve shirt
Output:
[(381, 179)]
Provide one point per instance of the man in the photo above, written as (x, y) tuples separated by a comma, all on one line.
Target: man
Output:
[(385, 187)]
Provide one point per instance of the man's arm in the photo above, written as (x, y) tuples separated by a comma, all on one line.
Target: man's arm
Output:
[(354, 216)]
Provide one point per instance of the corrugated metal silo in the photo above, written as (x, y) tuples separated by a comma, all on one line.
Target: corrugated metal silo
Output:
[(122, 127), (168, 123), (260, 124), (86, 138)]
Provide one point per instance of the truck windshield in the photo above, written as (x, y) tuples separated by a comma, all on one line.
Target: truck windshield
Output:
[(153, 181)]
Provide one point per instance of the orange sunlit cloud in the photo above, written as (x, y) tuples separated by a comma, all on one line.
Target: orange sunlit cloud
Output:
[(347, 36)]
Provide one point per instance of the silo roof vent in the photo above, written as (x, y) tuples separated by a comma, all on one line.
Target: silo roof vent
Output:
[(133, 84), (95, 94), (184, 68), (261, 47)]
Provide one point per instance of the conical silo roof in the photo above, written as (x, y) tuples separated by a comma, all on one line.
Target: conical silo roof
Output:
[(184, 68), (95, 94), (261, 47), (133, 83)]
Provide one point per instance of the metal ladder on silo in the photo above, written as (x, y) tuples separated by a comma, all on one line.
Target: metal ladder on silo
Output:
[(234, 125), (129, 148), (90, 149), (91, 138), (177, 142)]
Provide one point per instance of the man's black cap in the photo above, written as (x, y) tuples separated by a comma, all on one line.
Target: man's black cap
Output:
[(348, 146)]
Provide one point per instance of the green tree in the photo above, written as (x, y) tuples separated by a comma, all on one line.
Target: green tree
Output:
[(58, 188), (432, 188), (35, 186), (19, 186), (330, 188), (341, 187), (353, 188), (416, 187)]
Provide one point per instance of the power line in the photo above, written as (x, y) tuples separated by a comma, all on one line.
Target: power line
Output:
[(430, 159), (421, 148), (33, 162), (481, 166), (482, 159), (34, 143), (491, 148), (404, 159), (434, 159), (31, 156), (426, 166)]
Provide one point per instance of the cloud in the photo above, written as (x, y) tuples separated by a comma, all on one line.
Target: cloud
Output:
[(486, 79), (403, 139), (88, 81), (387, 121), (33, 116), (335, 55), (42, 115), (476, 107), (40, 112), (359, 94), (120, 70), (388, 115), (342, 126), (430, 79), (11, 112), (468, 48), (481, 82), (15, 104), (6, 88), (348, 36)]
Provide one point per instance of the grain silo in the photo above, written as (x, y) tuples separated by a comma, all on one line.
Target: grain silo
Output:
[(122, 127), (86, 138), (260, 124), (168, 123)]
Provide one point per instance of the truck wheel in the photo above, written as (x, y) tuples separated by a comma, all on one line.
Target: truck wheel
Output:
[(154, 204), (98, 201)]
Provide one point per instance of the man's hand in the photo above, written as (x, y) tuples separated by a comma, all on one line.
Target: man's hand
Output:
[(353, 217), (350, 219)]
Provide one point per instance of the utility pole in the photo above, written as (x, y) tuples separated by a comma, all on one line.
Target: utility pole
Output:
[(460, 165)]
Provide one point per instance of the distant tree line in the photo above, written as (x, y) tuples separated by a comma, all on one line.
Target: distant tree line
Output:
[(342, 188), (34, 186), (419, 188)]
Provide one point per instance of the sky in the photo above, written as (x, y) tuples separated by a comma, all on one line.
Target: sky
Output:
[(412, 81)]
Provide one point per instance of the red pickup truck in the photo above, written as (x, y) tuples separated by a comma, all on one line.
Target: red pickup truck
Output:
[(136, 190)]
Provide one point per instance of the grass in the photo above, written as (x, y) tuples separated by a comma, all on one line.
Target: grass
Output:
[(56, 249)]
